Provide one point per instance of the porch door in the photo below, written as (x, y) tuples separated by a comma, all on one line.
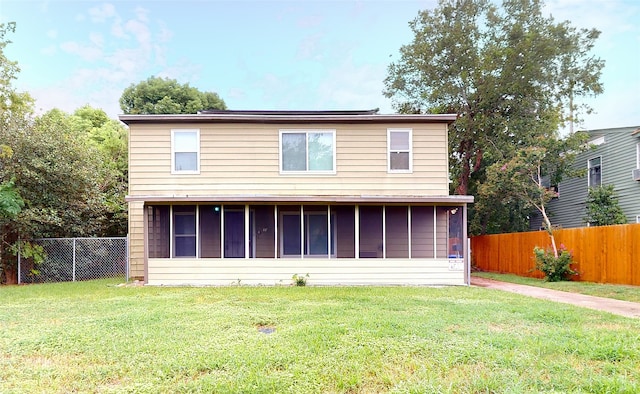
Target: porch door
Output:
[(234, 233)]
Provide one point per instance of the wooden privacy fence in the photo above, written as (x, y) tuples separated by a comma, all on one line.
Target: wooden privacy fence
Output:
[(607, 254)]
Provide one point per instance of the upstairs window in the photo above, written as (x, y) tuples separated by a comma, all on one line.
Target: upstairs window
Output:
[(638, 155), (595, 172), (185, 151), (312, 151), (399, 144)]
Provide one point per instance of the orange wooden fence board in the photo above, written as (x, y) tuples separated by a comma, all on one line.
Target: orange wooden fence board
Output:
[(607, 254)]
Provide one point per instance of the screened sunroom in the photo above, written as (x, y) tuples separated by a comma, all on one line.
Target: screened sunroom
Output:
[(335, 243)]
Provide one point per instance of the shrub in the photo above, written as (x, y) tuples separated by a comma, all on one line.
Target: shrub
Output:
[(554, 268), (299, 280)]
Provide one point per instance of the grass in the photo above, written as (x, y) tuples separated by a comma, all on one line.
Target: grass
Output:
[(97, 337), (618, 292)]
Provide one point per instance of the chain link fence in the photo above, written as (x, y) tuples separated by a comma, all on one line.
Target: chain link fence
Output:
[(74, 259)]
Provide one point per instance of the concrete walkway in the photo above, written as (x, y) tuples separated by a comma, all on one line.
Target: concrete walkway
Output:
[(622, 308)]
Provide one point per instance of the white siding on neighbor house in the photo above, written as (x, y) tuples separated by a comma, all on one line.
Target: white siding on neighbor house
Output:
[(244, 159), (217, 272)]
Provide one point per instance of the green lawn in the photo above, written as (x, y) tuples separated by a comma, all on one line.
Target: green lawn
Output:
[(619, 292), (96, 337)]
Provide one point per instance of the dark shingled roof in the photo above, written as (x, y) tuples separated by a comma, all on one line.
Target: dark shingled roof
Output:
[(288, 112)]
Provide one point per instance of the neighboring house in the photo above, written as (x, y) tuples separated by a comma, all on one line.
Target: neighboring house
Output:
[(254, 197), (614, 160)]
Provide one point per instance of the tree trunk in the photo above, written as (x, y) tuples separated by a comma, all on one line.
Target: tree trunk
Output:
[(547, 222), (465, 174), (10, 275)]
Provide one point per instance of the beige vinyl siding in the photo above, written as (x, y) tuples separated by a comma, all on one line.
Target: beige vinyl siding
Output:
[(136, 240), (442, 238), (176, 272), (243, 158)]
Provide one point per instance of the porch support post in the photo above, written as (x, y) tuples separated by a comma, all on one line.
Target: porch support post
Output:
[(464, 244), (329, 235), (356, 222), (246, 231), (222, 231), (145, 221), (275, 229), (409, 229), (301, 231), (198, 231), (435, 232), (384, 231), (171, 231)]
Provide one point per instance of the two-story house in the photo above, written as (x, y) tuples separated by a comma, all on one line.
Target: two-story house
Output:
[(613, 160), (254, 197)]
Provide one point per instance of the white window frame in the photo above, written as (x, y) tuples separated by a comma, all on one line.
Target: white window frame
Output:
[(174, 151), (589, 168), (638, 155), (304, 228), (389, 151), (307, 132)]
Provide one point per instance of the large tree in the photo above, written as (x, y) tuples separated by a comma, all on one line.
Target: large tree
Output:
[(511, 74), (57, 175), (109, 137), (166, 96)]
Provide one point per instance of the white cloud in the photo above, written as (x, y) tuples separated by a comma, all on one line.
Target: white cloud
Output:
[(117, 30), (183, 71), (102, 13), (49, 50), (350, 86), (237, 94), (88, 53), (140, 31), (142, 14), (309, 21), (310, 48), (129, 53), (610, 17), (96, 39)]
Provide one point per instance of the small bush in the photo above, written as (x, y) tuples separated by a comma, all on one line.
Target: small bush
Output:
[(299, 280), (554, 269)]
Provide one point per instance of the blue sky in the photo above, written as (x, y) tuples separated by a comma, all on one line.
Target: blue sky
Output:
[(267, 54)]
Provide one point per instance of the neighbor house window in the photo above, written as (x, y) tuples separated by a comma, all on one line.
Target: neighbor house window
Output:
[(307, 151), (185, 151), (595, 172), (638, 155), (399, 146)]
